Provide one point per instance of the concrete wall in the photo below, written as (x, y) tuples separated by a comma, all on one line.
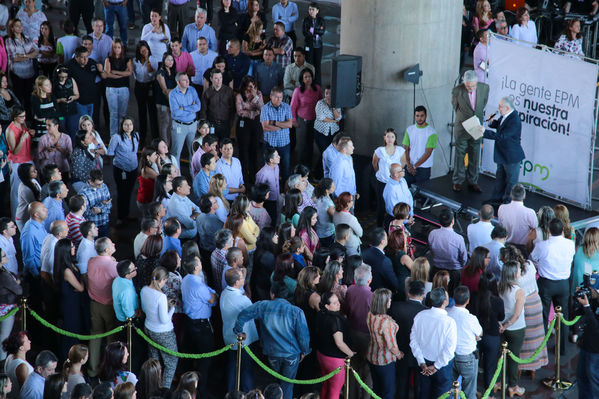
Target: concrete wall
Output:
[(392, 35)]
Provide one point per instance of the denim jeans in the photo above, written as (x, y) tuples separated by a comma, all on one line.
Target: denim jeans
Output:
[(586, 374), (6, 326), (284, 153), (121, 14), (383, 380), (118, 99), (505, 178), (467, 367), (247, 378), (84, 109), (180, 134), (286, 366), (437, 384)]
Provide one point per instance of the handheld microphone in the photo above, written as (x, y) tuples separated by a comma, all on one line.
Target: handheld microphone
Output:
[(491, 116)]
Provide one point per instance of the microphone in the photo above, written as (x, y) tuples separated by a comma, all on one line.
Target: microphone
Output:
[(491, 116)]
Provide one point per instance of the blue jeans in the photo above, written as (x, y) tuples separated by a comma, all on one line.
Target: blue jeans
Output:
[(131, 10), (431, 387), (467, 367), (247, 379), (286, 366), (118, 99), (505, 178), (84, 109), (180, 134), (383, 380), (284, 153), (587, 376), (121, 14), (72, 125)]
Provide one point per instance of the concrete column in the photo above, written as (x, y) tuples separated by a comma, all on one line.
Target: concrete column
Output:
[(392, 35)]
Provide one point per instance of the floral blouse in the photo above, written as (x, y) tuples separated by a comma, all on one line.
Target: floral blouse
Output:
[(172, 290), (571, 46), (48, 152)]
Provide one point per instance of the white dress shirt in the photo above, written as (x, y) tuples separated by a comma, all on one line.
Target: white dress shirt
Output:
[(433, 337), (8, 248), (47, 254), (468, 329), (479, 234), (85, 252), (554, 257), (140, 238)]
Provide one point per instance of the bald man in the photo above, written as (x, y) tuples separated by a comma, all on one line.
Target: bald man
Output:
[(396, 191), (32, 238)]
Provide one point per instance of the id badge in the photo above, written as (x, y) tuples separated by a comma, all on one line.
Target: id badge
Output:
[(241, 123), (307, 48), (124, 175)]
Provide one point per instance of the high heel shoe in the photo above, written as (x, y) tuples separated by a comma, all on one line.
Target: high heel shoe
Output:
[(517, 391), (497, 387)]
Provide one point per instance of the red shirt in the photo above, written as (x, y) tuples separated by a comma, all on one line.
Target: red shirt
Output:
[(471, 281), (25, 154)]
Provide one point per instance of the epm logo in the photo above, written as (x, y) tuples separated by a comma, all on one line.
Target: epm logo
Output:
[(529, 167)]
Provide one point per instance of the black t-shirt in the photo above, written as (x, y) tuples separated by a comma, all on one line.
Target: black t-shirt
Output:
[(581, 6), (86, 80), (118, 64), (227, 77), (169, 81), (496, 314), (327, 324)]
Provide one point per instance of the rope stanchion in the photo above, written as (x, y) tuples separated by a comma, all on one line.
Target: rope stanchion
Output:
[(73, 335), (557, 383), (238, 369), (364, 386), (181, 354), (290, 380), (494, 379), (571, 322), (538, 351), (9, 314), (24, 314)]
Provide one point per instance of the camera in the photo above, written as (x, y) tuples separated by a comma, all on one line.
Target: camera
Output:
[(585, 288)]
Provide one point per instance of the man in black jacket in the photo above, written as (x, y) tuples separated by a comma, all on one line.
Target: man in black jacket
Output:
[(403, 313), (588, 359), (383, 275)]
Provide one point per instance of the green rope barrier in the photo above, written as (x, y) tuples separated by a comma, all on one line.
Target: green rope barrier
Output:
[(364, 386), (494, 379), (462, 395), (11, 313), (289, 380), (180, 354), (70, 334), (538, 351), (444, 396), (571, 322)]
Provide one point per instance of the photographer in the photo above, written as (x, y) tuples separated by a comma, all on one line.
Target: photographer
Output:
[(588, 359)]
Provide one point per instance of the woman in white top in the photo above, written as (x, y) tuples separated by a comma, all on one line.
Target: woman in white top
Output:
[(514, 326), (159, 325), (524, 29), (17, 345), (342, 215), (382, 159), (157, 34)]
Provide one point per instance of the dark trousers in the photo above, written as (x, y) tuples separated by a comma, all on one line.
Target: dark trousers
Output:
[(178, 17), (406, 367), (380, 202), (222, 129), (431, 387), (514, 340), (422, 174), (285, 153), (383, 380), (505, 178), (271, 208), (556, 292), (314, 57), (83, 9), (322, 142), (207, 5), (327, 241), (200, 339), (146, 107), (147, 6), (488, 348), (22, 89), (247, 379), (586, 374), (292, 36), (249, 141), (124, 186)]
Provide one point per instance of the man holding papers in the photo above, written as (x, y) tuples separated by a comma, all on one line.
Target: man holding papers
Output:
[(508, 152), (468, 99)]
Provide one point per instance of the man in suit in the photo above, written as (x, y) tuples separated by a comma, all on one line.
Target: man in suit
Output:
[(508, 152), (403, 313), (382, 269), (467, 99)]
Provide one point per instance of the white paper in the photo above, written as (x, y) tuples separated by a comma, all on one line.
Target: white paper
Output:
[(472, 126)]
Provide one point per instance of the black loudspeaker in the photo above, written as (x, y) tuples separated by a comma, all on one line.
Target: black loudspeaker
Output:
[(347, 81)]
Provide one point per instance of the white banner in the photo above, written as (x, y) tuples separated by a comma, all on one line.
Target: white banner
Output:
[(555, 97)]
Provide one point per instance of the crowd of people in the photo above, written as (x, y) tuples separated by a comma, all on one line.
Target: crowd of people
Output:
[(264, 245)]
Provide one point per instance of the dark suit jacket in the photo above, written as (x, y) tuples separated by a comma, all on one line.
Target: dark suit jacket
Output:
[(403, 313), (382, 270), (463, 110), (507, 139)]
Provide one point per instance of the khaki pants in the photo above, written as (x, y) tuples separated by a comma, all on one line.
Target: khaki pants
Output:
[(102, 320)]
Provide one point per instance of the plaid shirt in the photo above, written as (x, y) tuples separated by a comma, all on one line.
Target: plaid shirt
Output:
[(94, 197), (282, 113), (287, 45)]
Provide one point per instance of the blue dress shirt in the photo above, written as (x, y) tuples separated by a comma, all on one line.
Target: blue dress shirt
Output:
[(32, 238), (232, 173), (328, 159), (124, 298), (201, 63), (182, 208), (287, 15), (189, 101), (124, 151), (33, 388), (196, 294), (343, 174), (396, 192), (169, 243), (191, 34), (232, 302), (55, 211), (200, 182)]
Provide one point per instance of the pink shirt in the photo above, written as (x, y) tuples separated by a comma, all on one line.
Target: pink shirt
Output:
[(304, 104), (101, 270), (472, 97), (183, 61), (518, 221), (196, 166), (3, 56)]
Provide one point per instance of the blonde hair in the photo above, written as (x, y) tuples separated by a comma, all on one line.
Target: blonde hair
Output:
[(561, 212), (37, 87), (76, 354), (255, 30), (420, 269), (590, 242), (86, 118), (441, 280), (479, 11), (216, 186), (158, 274)]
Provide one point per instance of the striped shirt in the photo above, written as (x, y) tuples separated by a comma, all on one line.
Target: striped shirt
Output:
[(73, 222), (383, 330)]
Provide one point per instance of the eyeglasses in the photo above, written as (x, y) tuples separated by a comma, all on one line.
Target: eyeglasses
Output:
[(132, 270)]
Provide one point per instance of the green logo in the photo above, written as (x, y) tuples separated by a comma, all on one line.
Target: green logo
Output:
[(529, 167)]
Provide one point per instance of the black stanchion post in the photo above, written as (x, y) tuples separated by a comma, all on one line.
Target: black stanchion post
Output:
[(238, 375), (129, 341), (24, 313)]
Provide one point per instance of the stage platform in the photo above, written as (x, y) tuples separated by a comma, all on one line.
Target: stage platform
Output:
[(438, 191)]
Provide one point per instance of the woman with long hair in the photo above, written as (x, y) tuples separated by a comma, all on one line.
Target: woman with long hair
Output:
[(157, 34), (47, 58), (290, 213), (125, 390), (189, 382), (18, 139), (97, 148), (150, 378), (123, 147), (524, 30), (71, 369), (235, 224), (284, 273), (68, 281), (42, 105), (8, 99), (420, 271), (144, 71), (216, 187), (148, 172), (303, 111), (82, 161), (162, 189), (114, 366), (29, 191), (402, 262), (514, 325), (561, 212), (66, 93), (331, 281), (383, 351), (147, 261), (10, 292), (306, 295), (285, 232), (21, 53), (343, 204), (165, 82), (16, 366), (325, 207), (164, 156), (571, 39), (544, 215), (263, 263), (54, 386), (158, 324), (117, 69), (305, 227), (586, 259), (249, 229), (331, 343), (253, 15), (55, 148), (248, 103), (483, 16), (533, 309), (479, 260), (227, 22), (253, 40)]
